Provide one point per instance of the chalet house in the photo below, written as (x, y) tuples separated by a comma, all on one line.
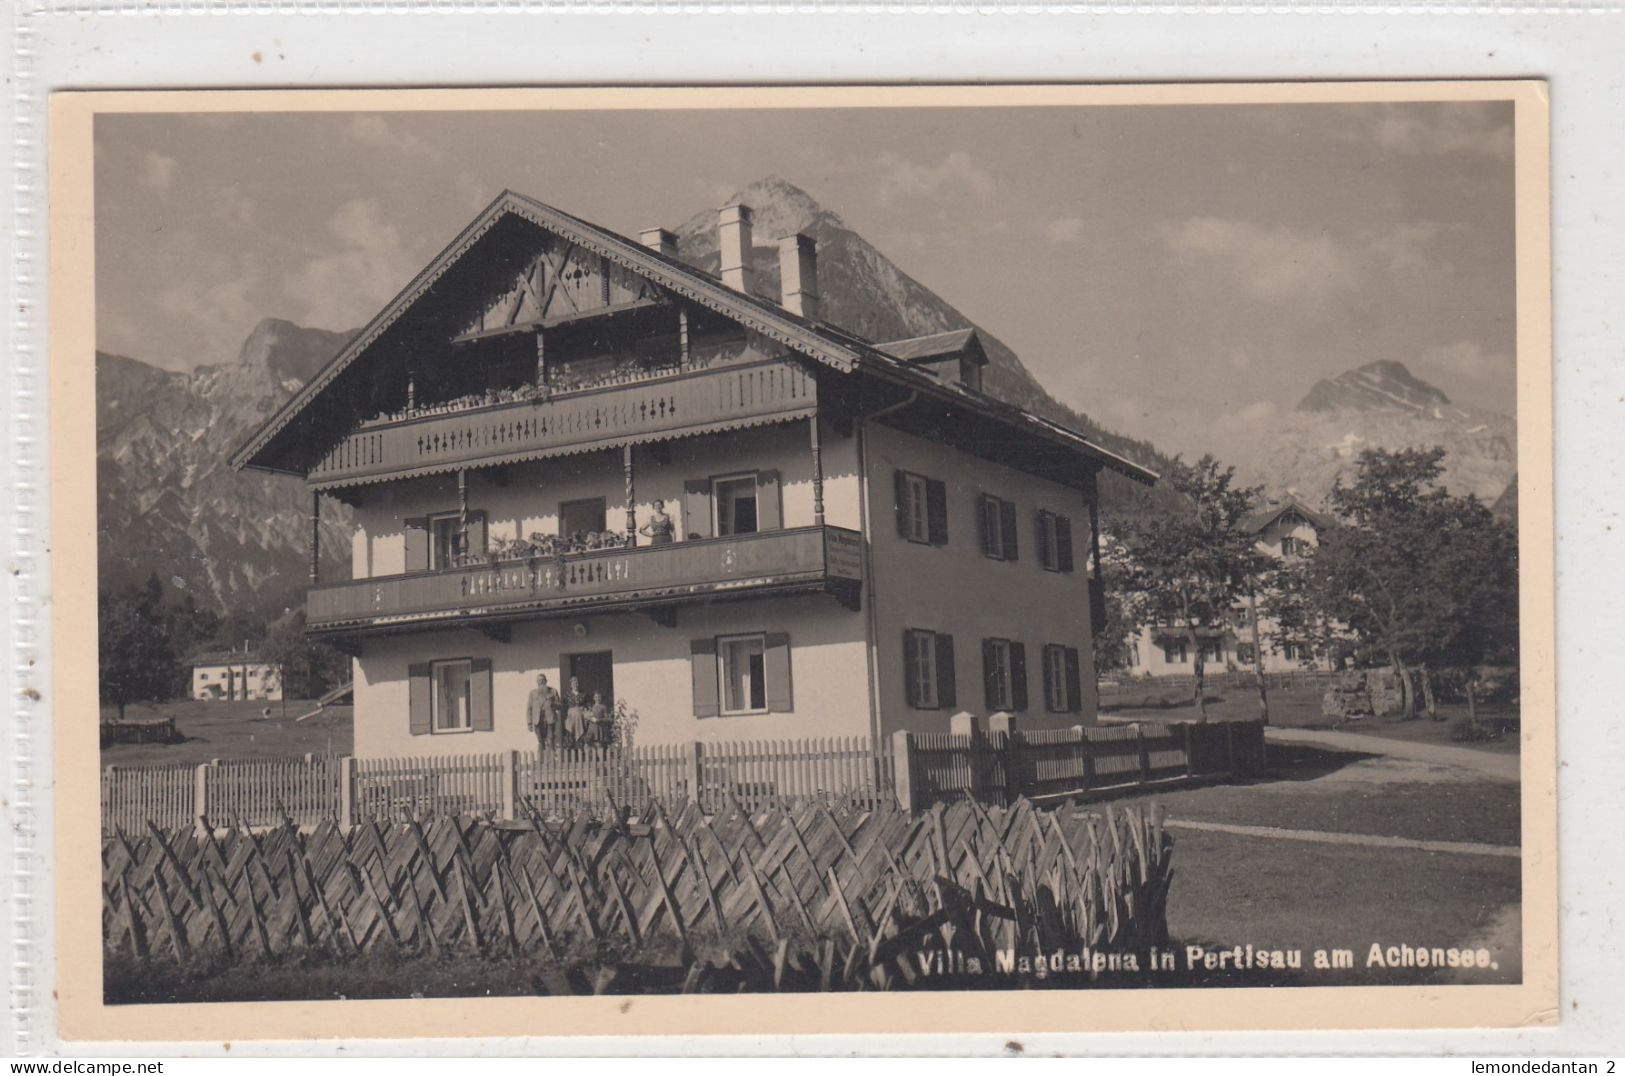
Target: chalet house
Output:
[(570, 453), (235, 676), (1282, 531)]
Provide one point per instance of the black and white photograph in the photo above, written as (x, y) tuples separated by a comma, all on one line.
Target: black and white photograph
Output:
[(901, 548)]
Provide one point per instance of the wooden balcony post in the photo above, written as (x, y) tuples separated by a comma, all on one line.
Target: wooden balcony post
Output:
[(631, 500), (541, 360), (315, 536), (817, 471)]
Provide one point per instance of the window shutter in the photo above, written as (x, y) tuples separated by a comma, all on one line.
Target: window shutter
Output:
[(1046, 555), (911, 670), (1074, 681), (900, 478), (1007, 523), (777, 663), (1018, 676), (936, 511), (990, 675), (697, 507), (474, 534), (769, 505), (479, 690), (417, 545), (984, 540), (703, 654), (1097, 606), (419, 720), (1063, 543), (946, 695)]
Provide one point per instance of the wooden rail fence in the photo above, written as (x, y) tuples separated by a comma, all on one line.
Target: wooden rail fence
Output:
[(809, 898), (908, 770)]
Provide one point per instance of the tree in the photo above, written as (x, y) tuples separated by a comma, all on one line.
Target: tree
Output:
[(136, 657), (309, 669), (1419, 577), (1189, 569)]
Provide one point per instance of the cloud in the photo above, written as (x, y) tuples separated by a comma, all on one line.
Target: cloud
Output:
[(1469, 361), (378, 133), (221, 311), (1427, 129), (342, 288), (158, 171), (958, 171), (1272, 263), (1065, 230)]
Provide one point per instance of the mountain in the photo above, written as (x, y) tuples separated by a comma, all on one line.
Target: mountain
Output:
[(169, 502), (1379, 405), (865, 294)]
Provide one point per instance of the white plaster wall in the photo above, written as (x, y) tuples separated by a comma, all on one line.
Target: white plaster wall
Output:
[(955, 589), (652, 669), (529, 501)]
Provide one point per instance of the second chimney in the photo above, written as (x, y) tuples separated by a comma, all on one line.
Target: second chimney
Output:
[(733, 244), (662, 239), (798, 275)]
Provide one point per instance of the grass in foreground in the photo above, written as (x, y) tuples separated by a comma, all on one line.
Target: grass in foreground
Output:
[(234, 730)]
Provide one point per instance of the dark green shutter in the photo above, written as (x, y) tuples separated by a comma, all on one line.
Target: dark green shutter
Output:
[(479, 690), (420, 719), (947, 696), (1063, 543), (1018, 676), (417, 545), (703, 659), (776, 662), (697, 508), (990, 675), (1050, 651), (1007, 524), (904, 530), (936, 511), (1074, 681), (984, 540), (769, 506)]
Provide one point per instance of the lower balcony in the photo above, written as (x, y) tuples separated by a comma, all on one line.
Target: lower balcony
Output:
[(653, 578)]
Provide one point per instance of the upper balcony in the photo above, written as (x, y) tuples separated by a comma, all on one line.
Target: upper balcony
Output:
[(652, 578), (695, 401)]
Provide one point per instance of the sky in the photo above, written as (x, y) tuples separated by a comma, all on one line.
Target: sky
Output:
[(1166, 269)]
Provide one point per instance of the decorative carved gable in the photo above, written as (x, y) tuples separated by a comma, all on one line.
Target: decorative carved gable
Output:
[(563, 280)]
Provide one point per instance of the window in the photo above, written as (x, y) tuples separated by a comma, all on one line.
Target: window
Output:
[(581, 517), (743, 666), (996, 527), (445, 540), (1292, 651), (928, 669), (1294, 547), (1004, 672), (1212, 650), (1174, 652), (922, 509), (1054, 542), (452, 696), (736, 505), (1063, 685), (1244, 654)]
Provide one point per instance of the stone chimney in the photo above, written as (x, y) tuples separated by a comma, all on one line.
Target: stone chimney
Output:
[(733, 243), (662, 239), (798, 275)]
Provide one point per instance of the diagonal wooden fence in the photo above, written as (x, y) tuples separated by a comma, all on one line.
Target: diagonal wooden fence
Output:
[(810, 898)]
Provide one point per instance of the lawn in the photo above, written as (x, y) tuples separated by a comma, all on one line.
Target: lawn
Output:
[(234, 730), (1297, 708)]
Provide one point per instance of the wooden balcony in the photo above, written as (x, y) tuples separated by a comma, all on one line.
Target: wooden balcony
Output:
[(698, 401), (656, 578)]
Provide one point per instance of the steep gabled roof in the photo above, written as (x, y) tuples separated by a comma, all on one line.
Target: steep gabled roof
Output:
[(820, 342), (1266, 516)]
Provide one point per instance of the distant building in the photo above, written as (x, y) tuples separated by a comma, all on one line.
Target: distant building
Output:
[(235, 676), (575, 455), (1283, 530)]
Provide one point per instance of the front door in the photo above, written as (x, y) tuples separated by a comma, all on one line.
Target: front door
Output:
[(595, 671)]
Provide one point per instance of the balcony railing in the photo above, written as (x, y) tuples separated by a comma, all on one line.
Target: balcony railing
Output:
[(648, 576), (727, 397)]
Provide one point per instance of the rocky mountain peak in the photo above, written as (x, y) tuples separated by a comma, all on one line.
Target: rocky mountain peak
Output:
[(288, 351), (1386, 385), (779, 208)]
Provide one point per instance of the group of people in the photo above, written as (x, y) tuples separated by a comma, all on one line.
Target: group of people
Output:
[(570, 719)]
